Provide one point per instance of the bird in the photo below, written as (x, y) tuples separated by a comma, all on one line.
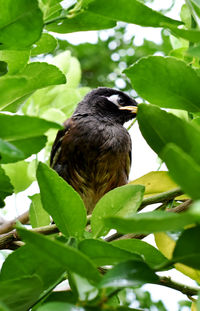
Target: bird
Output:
[(92, 152)]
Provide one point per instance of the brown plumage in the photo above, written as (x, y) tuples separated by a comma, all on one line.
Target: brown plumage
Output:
[(93, 152)]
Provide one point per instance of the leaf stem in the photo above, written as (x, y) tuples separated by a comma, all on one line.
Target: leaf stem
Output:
[(186, 290)]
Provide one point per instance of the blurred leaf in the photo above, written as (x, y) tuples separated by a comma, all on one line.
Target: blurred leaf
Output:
[(192, 35), (183, 169), (163, 81), (60, 306), (156, 221), (21, 26), (62, 61), (187, 248), (132, 11), (185, 15), (33, 261), (128, 274), (166, 245), (3, 307), (16, 60), (61, 201), (102, 253), (194, 7), (82, 22), (46, 44), (20, 294), (65, 255), (3, 68), (160, 128), (15, 171), (151, 255), (9, 152), (122, 201), (16, 127), (38, 216), (194, 51), (13, 88), (6, 187), (84, 289), (74, 73)]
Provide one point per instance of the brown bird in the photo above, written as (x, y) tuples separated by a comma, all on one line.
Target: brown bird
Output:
[(93, 151)]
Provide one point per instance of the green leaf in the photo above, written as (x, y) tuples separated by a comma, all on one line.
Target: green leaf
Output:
[(33, 261), (167, 82), (160, 128), (38, 216), (132, 11), (16, 127), (3, 68), (187, 248), (20, 23), (102, 253), (71, 259), (183, 169), (9, 152), (6, 187), (61, 201), (156, 221), (122, 201), (15, 171), (13, 88), (16, 60), (128, 274), (194, 51), (82, 22), (60, 306), (46, 44), (20, 294), (152, 256), (26, 147), (192, 35), (3, 307), (82, 287)]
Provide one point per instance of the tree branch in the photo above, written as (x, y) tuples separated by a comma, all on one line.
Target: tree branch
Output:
[(186, 290), (161, 197), (9, 225)]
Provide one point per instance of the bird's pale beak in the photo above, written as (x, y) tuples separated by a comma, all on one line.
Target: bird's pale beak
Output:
[(132, 109)]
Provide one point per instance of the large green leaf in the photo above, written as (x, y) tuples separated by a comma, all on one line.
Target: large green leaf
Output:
[(166, 82), (20, 23), (22, 148), (82, 22), (103, 253), (60, 306), (33, 261), (156, 221), (38, 216), (122, 201), (9, 152), (34, 76), (187, 249), (152, 256), (16, 127), (16, 60), (15, 171), (128, 274), (192, 35), (19, 294), (160, 128), (131, 11), (46, 44), (61, 201), (6, 187), (70, 258), (183, 169)]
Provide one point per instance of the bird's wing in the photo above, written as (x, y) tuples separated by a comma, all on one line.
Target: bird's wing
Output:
[(56, 148)]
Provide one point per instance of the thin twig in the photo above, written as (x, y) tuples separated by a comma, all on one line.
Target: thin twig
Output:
[(9, 225), (187, 290), (161, 197)]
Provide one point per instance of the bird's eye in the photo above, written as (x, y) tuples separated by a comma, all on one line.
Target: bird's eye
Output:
[(115, 99)]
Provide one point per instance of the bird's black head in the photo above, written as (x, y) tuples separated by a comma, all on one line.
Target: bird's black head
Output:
[(108, 104)]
